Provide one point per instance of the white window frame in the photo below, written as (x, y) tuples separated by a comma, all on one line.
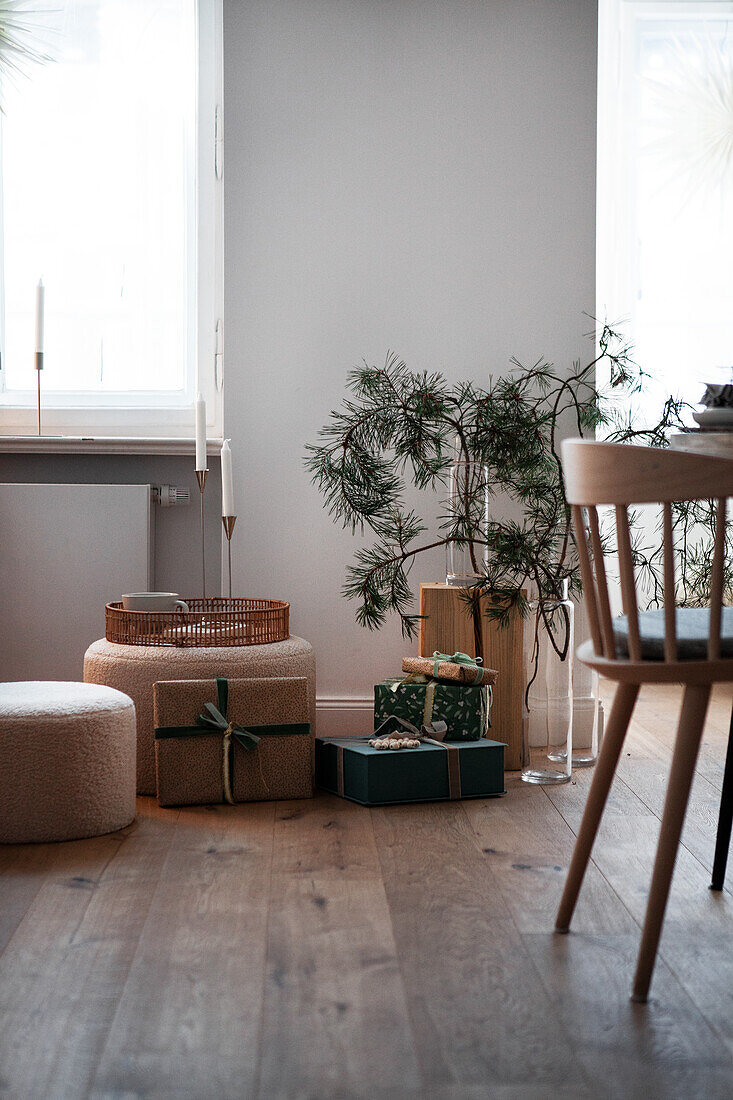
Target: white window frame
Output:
[(153, 415)]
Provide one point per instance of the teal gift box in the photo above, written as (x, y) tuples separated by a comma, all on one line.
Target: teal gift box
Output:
[(351, 768), (465, 708)]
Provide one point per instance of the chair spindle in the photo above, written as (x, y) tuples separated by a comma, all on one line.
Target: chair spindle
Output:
[(604, 604), (670, 613), (586, 573), (716, 583), (628, 582)]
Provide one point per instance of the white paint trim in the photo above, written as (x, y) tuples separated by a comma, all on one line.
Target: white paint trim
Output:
[(113, 444), (352, 715)]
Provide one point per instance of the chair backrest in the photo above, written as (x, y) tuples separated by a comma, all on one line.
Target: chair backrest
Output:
[(598, 474)]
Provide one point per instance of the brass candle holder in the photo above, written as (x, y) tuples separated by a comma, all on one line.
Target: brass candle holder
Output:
[(201, 478), (229, 522), (39, 368)]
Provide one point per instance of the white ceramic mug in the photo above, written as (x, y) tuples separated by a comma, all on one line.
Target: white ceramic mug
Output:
[(153, 601)]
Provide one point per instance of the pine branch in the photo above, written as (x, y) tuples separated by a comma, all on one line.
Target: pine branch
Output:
[(397, 427)]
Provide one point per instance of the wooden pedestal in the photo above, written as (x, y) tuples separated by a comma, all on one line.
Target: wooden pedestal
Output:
[(448, 628)]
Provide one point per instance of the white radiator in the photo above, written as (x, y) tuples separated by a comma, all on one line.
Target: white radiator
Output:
[(65, 551)]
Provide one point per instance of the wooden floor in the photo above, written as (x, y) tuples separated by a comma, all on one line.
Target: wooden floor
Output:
[(320, 949)]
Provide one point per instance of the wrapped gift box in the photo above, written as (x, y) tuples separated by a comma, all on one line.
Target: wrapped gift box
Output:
[(351, 768), (458, 668), (193, 762), (465, 708)]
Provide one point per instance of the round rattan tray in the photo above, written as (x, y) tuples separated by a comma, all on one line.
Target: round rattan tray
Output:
[(214, 621)]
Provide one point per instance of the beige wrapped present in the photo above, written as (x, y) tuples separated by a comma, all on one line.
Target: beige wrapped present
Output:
[(232, 740), (456, 667)]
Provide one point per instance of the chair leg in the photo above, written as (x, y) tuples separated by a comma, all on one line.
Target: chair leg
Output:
[(725, 820), (687, 745), (613, 739)]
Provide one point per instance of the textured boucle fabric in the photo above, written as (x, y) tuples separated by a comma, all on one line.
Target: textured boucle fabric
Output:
[(67, 761), (134, 670), (189, 769)]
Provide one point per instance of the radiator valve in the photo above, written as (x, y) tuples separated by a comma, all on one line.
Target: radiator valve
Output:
[(168, 496)]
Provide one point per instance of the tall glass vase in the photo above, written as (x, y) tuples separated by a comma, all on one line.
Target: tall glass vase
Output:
[(547, 728), (468, 509), (587, 718)]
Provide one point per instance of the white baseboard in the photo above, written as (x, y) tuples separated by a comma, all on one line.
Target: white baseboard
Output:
[(352, 716), (344, 716)]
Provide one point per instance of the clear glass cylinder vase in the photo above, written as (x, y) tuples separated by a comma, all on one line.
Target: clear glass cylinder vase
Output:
[(547, 728), (587, 718), (468, 511)]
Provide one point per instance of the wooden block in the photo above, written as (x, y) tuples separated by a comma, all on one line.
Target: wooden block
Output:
[(448, 628)]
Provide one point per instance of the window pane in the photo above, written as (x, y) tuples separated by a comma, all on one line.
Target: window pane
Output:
[(98, 173), (680, 236)]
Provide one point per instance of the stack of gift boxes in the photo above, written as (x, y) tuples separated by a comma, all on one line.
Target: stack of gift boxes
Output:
[(249, 740)]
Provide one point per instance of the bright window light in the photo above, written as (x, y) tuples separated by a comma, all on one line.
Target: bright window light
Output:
[(666, 189), (98, 198)]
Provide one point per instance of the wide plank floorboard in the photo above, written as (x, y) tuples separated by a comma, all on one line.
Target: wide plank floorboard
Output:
[(586, 975), (187, 1022), (323, 950), (477, 1006), (335, 1013)]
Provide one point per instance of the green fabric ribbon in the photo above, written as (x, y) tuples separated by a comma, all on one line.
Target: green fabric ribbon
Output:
[(460, 659), (213, 722), (216, 719)]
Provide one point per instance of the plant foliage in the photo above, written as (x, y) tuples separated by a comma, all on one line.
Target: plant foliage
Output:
[(398, 425)]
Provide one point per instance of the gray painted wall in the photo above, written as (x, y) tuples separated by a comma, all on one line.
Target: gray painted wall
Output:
[(408, 174)]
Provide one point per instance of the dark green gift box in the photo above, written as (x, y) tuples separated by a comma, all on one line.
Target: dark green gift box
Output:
[(465, 708), (350, 767)]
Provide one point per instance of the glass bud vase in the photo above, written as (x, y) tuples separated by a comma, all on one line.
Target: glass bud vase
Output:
[(547, 728), (587, 718), (468, 509)]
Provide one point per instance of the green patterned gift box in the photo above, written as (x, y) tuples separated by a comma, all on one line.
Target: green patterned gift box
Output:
[(465, 708)]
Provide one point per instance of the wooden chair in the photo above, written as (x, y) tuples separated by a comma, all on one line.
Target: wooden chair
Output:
[(672, 645)]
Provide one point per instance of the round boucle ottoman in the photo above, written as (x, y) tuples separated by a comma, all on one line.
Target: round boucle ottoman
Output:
[(134, 669), (67, 761)]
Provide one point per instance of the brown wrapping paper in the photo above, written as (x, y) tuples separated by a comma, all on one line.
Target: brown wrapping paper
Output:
[(447, 670), (189, 769)]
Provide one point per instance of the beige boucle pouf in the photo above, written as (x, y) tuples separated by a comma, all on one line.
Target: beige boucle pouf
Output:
[(67, 761), (134, 669)]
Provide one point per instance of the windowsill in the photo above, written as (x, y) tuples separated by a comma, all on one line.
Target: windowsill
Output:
[(108, 445)]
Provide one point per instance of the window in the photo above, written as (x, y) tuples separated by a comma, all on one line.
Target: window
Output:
[(109, 194), (665, 188)]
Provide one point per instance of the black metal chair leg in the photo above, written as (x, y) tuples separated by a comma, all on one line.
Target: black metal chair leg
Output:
[(725, 820)]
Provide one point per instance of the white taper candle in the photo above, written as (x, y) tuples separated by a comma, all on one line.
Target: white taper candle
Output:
[(200, 433), (40, 311), (227, 489)]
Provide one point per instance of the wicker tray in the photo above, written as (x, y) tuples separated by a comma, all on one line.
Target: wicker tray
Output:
[(213, 621)]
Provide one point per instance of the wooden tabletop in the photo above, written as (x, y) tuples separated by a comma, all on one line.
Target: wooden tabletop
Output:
[(719, 444)]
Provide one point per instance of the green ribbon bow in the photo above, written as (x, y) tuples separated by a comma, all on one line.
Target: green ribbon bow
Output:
[(213, 722), (216, 719), (459, 659)]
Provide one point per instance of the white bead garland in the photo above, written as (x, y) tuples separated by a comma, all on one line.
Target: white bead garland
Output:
[(394, 743)]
